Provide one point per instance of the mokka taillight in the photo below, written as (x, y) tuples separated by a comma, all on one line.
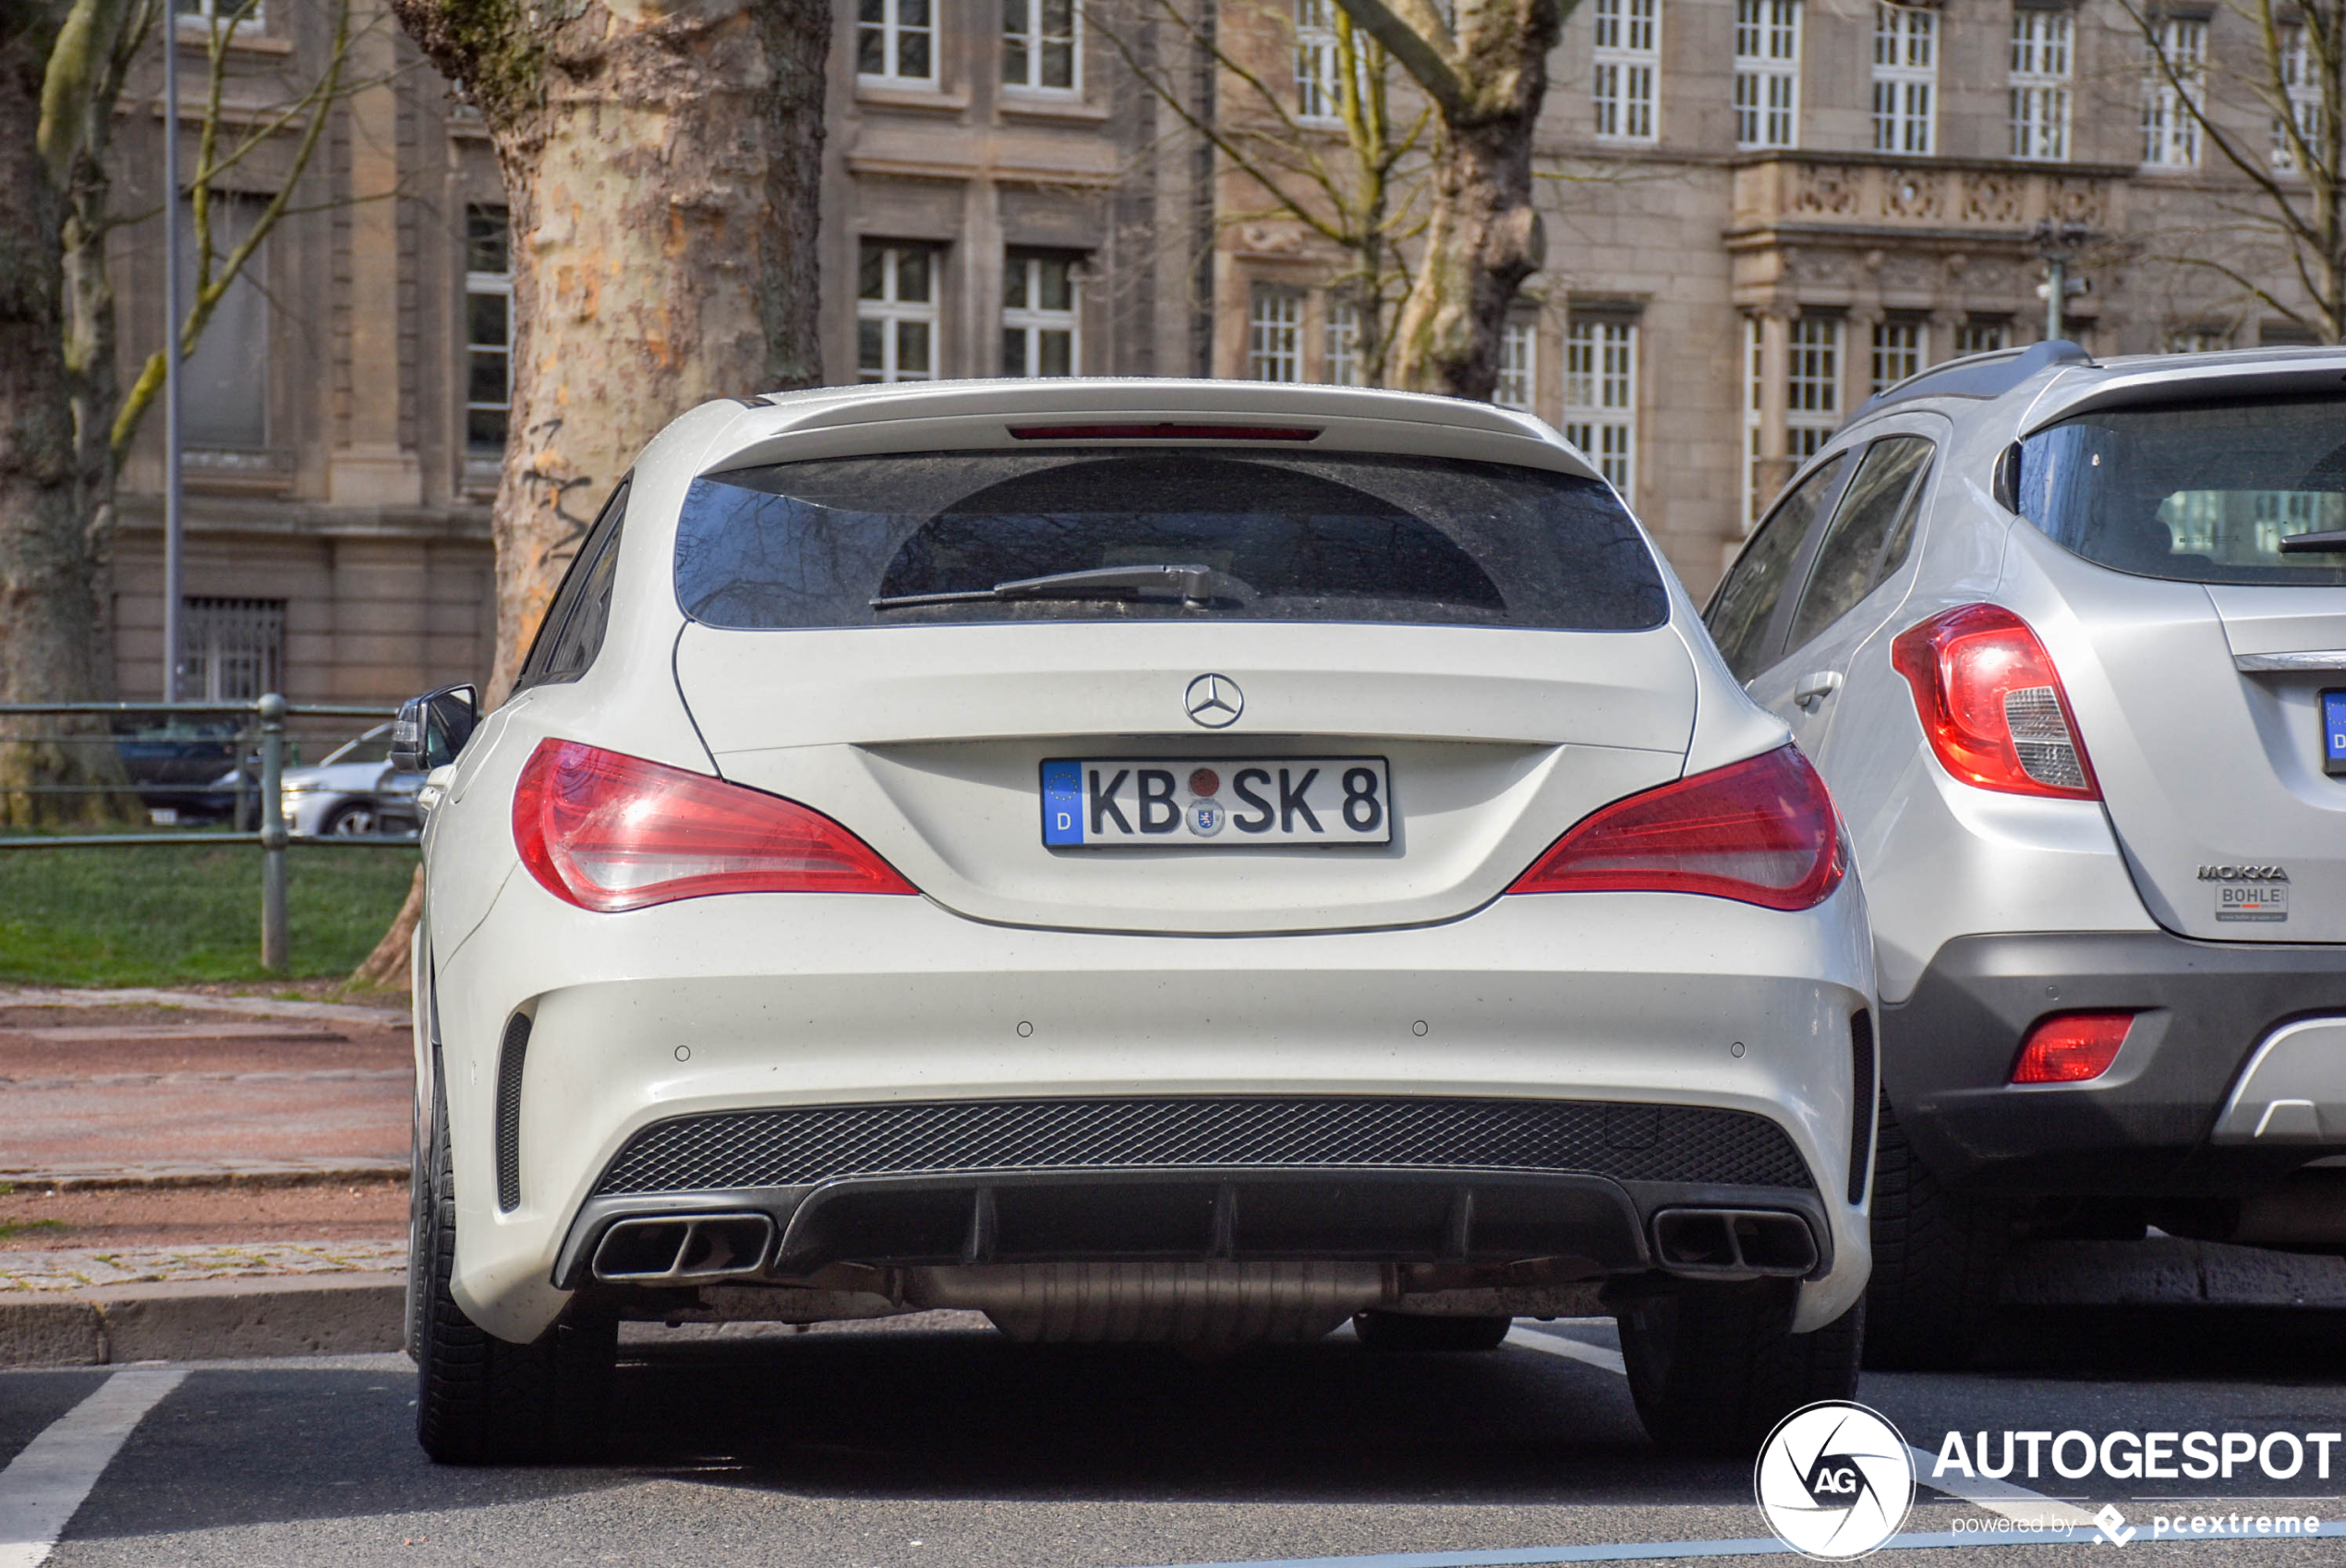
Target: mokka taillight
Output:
[(610, 832), (1991, 704)]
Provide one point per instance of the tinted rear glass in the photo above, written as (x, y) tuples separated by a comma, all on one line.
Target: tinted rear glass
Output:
[(2200, 492), (1343, 537)]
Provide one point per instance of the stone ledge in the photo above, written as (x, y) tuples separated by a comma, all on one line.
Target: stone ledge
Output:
[(205, 1320)]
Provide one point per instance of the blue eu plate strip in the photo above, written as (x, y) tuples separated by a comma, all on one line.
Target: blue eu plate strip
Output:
[(1062, 802), (2334, 726)]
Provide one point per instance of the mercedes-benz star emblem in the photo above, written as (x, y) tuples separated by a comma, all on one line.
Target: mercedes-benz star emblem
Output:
[(1214, 701)]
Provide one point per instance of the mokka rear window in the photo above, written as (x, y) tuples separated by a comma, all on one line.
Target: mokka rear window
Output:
[(966, 537)]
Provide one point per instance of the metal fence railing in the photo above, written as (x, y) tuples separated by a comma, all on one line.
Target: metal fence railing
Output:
[(263, 801)]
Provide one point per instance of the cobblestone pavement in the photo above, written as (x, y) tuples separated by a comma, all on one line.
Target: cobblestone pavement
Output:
[(65, 1270)]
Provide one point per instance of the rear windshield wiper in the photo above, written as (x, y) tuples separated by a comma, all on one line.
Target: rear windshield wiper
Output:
[(2309, 544), (1188, 583)]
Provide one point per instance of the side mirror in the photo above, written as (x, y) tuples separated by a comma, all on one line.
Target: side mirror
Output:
[(432, 728)]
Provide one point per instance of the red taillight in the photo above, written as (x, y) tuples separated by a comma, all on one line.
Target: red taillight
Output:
[(1991, 704), (609, 832), (1762, 831), (2071, 1047)]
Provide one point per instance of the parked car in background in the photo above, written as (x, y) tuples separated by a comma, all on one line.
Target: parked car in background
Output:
[(176, 767), (355, 793), (2068, 642), (1194, 862)]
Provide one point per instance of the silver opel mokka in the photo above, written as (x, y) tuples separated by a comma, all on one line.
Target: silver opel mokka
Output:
[(2067, 639)]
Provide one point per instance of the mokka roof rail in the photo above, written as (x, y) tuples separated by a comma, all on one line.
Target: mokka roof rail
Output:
[(1979, 374)]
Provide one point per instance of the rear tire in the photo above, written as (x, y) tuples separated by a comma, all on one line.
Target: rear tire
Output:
[(1939, 1263), (1409, 1331), (1716, 1367), (481, 1400)]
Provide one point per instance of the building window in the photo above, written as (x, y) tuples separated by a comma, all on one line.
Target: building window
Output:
[(1982, 336), (1811, 386), (2170, 133), (1340, 342), (489, 331), (1518, 365), (895, 312), (1317, 94), (2198, 340), (224, 381), (1600, 397), (1767, 73), (1275, 336), (199, 16), (231, 650), (1905, 76), (1755, 391), (1628, 60), (2038, 85), (1897, 352), (1040, 335), (2301, 82), (1038, 45), (895, 39)]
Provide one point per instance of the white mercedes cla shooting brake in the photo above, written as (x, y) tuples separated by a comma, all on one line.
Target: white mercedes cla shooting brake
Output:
[(1169, 861)]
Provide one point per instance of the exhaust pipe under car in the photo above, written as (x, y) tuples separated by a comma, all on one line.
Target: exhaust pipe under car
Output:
[(683, 1250), (1735, 1243)]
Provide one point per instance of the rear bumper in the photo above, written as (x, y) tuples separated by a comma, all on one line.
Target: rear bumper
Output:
[(2149, 1126), (723, 1008)]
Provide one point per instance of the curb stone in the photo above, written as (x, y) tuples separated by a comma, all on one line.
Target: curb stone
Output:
[(197, 1001), (205, 1321), (344, 1172)]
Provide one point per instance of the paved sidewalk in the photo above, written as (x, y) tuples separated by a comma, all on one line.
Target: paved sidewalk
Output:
[(70, 1271)]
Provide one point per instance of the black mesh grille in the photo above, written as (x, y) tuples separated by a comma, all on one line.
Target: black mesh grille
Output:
[(1861, 1103), (510, 1056), (789, 1148)]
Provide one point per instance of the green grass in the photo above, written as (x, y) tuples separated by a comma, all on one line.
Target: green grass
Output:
[(163, 915)]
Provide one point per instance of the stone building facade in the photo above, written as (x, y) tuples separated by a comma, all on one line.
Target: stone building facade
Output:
[(1757, 211)]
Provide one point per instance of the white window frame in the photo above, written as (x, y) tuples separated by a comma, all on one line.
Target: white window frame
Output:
[(1811, 385), (893, 31), (2301, 85), (1318, 78), (1519, 382), (1600, 397), (1031, 322), (2171, 131), (894, 312), (1626, 66), (1906, 80), (1029, 39), (1755, 391), (2043, 61), (2196, 340), (1275, 334), (1900, 348), (1339, 342), (231, 650), (1766, 86), (197, 16), (1982, 337)]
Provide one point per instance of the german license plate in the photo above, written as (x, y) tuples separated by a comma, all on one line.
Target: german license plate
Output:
[(1224, 803), (2334, 732)]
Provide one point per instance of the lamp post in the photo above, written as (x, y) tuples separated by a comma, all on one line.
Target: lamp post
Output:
[(2058, 240), (173, 522)]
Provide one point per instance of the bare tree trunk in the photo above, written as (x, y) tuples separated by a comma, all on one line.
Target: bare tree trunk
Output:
[(46, 606), (93, 382), (661, 171), (1483, 239)]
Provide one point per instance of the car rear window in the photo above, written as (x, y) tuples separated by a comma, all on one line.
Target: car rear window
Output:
[(2200, 492), (1280, 536)]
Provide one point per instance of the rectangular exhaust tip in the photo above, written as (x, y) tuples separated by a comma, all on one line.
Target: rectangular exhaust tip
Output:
[(1735, 1243), (682, 1251)]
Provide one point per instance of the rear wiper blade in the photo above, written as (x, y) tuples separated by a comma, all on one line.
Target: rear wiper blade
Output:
[(1188, 583), (2310, 544)]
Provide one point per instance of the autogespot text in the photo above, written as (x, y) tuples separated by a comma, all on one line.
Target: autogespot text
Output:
[(2127, 1456)]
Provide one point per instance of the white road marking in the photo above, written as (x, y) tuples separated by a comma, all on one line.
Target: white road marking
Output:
[(53, 1474), (1557, 1345), (1998, 1497)]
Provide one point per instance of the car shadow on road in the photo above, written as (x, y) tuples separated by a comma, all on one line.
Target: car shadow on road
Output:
[(2169, 1344), (971, 1413)]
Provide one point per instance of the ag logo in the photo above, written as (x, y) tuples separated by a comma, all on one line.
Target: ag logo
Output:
[(1835, 1481)]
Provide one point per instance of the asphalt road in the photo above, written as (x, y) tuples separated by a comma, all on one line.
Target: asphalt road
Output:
[(936, 1444)]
